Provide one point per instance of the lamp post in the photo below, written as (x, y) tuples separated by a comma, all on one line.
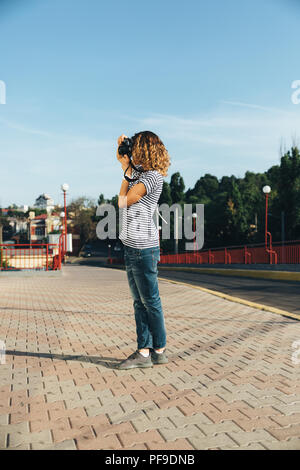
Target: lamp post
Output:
[(159, 235), (194, 229), (266, 191), (176, 221), (62, 216), (65, 188)]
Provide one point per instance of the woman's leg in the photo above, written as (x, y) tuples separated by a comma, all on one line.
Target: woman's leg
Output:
[(144, 336), (144, 272)]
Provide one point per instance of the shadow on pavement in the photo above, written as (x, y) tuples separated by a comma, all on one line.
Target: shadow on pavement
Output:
[(108, 362)]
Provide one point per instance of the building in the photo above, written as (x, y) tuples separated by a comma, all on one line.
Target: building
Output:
[(40, 226), (44, 201)]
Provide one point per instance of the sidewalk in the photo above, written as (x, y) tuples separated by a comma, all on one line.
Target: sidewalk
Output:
[(230, 383)]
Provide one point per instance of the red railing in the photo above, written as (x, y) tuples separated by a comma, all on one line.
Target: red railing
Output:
[(32, 256), (274, 254)]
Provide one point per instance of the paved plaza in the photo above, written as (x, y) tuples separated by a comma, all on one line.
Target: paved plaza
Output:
[(232, 381)]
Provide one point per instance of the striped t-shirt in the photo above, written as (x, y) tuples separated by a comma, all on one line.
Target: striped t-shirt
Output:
[(138, 229)]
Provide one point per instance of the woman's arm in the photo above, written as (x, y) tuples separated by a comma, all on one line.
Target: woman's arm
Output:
[(127, 198), (124, 160), (124, 187)]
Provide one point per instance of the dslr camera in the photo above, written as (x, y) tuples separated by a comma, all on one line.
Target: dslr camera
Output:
[(126, 147)]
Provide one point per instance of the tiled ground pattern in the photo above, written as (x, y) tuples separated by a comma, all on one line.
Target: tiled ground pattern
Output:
[(230, 383)]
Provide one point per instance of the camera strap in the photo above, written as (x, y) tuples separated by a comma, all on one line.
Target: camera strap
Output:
[(136, 169), (159, 215)]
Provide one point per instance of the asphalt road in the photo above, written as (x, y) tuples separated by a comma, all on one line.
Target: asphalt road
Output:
[(280, 294)]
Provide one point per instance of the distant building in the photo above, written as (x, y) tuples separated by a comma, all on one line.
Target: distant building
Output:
[(39, 227), (17, 225), (44, 201)]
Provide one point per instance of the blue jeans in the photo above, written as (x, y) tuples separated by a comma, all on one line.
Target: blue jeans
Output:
[(141, 268)]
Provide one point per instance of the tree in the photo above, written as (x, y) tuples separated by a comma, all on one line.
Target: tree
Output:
[(1, 226), (254, 203), (289, 192), (177, 187), (165, 197), (237, 225), (101, 199), (232, 205), (6, 230), (82, 210)]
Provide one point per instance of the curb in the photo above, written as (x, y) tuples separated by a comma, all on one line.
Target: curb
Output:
[(259, 274), (231, 298), (238, 300), (23, 273)]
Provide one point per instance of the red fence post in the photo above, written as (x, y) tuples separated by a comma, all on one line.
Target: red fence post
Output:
[(47, 253)]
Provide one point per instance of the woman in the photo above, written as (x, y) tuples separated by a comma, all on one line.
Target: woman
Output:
[(138, 200)]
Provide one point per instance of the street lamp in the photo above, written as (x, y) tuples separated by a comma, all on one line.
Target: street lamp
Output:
[(266, 191), (62, 216), (159, 235), (194, 229), (65, 188)]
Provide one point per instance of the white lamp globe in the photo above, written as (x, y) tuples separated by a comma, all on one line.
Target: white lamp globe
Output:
[(65, 187), (194, 215), (266, 189), (62, 215)]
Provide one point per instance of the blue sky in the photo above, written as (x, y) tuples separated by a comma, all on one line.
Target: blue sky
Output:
[(212, 79)]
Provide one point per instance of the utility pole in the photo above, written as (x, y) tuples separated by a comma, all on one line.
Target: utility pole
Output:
[(176, 222), (283, 236), (266, 191)]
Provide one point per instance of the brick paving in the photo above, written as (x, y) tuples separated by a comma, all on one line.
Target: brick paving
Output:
[(230, 383)]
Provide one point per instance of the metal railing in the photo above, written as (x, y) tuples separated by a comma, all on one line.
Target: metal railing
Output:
[(275, 253), (32, 256)]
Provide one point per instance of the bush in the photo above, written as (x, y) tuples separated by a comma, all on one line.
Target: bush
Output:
[(3, 263)]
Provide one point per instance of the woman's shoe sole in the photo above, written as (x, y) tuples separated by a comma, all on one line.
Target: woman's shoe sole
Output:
[(141, 366)]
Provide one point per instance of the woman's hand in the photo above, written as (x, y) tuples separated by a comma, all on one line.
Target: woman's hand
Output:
[(123, 159), (121, 138)]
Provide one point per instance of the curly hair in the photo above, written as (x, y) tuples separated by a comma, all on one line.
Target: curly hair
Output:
[(149, 151)]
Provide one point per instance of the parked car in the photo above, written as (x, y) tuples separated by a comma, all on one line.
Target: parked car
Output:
[(8, 242), (86, 251)]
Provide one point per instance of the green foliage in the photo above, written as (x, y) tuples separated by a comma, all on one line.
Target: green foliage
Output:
[(3, 262), (36, 211), (234, 208), (288, 196), (83, 212), (101, 199), (165, 197), (177, 188)]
